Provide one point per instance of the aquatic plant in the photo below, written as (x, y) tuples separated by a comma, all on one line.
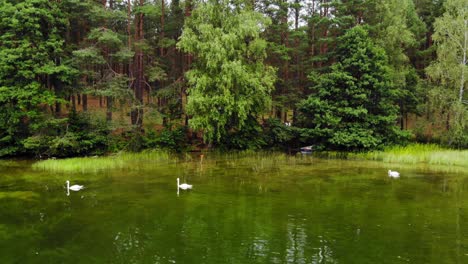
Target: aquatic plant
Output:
[(417, 153), (125, 160)]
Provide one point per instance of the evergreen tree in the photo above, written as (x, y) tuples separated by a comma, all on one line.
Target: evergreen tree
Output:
[(354, 107), (31, 48), (229, 83)]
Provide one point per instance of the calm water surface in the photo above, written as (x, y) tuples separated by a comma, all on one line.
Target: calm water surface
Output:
[(239, 211)]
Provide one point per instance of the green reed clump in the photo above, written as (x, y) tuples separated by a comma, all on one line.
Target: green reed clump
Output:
[(417, 153), (139, 160)]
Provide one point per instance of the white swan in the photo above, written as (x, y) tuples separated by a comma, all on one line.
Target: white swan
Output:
[(393, 174), (183, 186), (73, 187)]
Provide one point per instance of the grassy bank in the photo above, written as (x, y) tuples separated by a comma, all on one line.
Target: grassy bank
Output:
[(93, 164), (420, 154), (417, 153)]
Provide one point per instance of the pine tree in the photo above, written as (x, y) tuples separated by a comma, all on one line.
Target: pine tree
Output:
[(31, 47), (354, 107)]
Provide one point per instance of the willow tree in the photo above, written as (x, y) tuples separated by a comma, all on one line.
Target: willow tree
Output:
[(229, 83)]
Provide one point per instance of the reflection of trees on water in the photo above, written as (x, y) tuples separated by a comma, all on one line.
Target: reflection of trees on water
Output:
[(233, 217), (130, 246), (294, 243), (299, 244), (297, 239)]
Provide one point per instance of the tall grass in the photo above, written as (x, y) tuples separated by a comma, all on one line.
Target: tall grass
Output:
[(139, 160), (417, 153)]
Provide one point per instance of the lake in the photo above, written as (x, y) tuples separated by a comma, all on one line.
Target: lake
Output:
[(240, 210)]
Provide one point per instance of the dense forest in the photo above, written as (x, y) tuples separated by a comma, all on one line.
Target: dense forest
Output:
[(83, 77)]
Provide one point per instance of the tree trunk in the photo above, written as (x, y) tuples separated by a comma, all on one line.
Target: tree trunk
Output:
[(85, 102), (463, 66), (188, 12), (109, 109), (73, 100), (137, 113), (161, 34)]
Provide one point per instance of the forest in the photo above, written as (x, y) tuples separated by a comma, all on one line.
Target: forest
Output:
[(88, 77)]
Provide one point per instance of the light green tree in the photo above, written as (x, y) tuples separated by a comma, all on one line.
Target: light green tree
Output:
[(398, 29), (449, 70), (451, 38), (229, 83)]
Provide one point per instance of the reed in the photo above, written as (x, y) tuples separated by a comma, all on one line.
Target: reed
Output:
[(417, 153), (135, 161)]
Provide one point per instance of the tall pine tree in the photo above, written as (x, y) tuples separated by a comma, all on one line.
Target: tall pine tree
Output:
[(354, 107)]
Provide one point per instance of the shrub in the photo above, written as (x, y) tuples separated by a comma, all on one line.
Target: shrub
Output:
[(280, 136), (250, 136), (171, 139), (76, 135)]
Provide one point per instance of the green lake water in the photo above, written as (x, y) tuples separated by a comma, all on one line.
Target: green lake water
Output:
[(240, 211)]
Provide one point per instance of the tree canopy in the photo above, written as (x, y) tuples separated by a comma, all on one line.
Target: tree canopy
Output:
[(354, 106), (89, 77), (229, 82)]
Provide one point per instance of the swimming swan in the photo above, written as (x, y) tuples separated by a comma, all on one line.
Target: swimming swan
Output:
[(183, 186), (73, 187), (393, 174)]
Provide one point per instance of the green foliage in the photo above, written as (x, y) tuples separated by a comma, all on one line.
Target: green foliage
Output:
[(278, 135), (89, 55), (250, 137), (30, 47), (105, 38), (51, 50), (124, 55), (399, 31), (450, 72), (170, 139), (229, 82), (354, 107), (76, 135), (450, 38)]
